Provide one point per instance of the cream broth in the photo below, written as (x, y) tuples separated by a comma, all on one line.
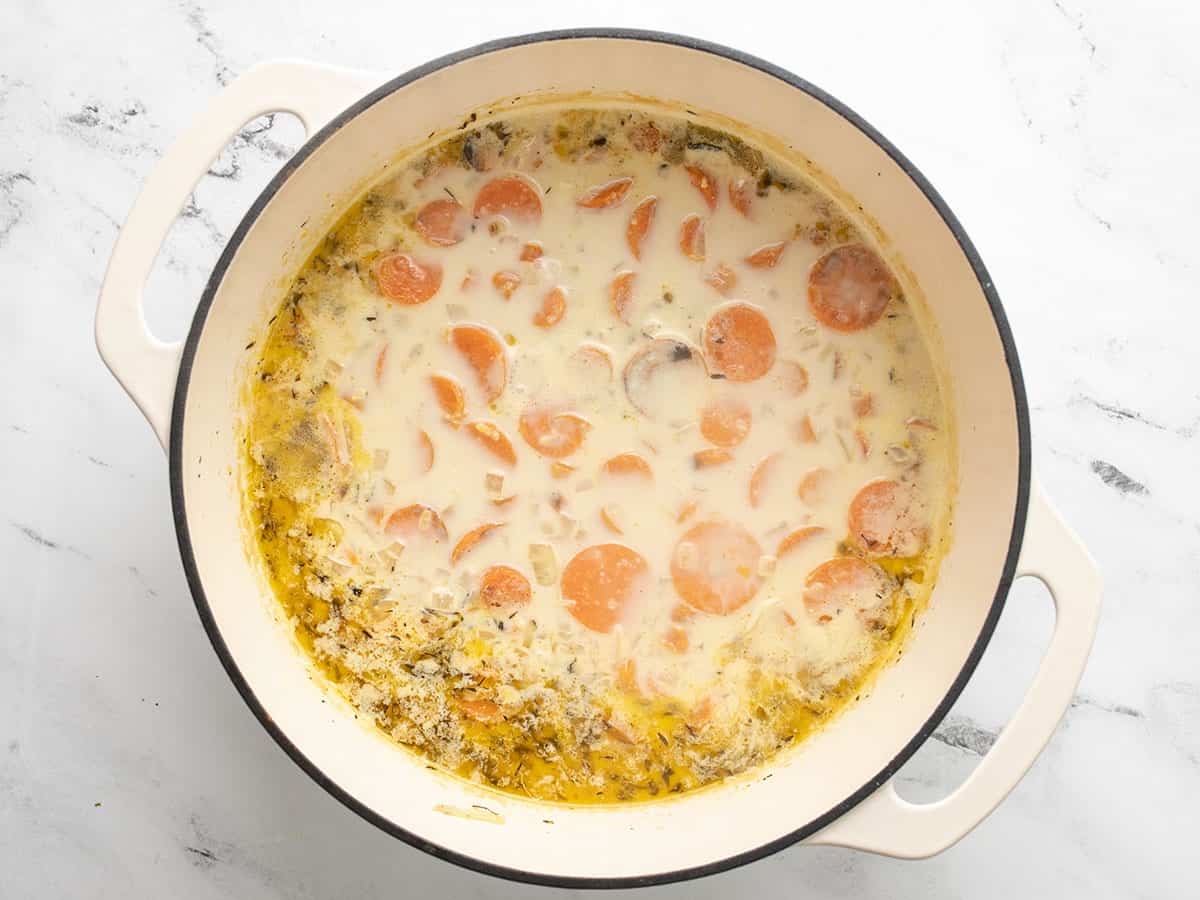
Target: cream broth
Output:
[(598, 456)]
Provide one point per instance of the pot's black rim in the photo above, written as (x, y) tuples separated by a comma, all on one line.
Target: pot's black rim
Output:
[(193, 574)]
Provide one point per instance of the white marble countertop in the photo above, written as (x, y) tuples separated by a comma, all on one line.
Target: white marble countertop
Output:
[(1062, 132)]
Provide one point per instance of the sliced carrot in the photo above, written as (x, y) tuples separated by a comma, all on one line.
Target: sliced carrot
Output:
[(509, 195), (380, 362), (468, 541), (805, 430), (609, 519), (767, 256), (741, 190), (758, 478), (691, 237), (337, 442), (552, 432), (468, 280), (626, 464), (620, 295), (531, 251), (425, 445), (627, 677), (789, 618), (920, 424), (739, 342), (725, 421), (484, 352), (715, 567), (884, 521), (849, 288), (590, 359), (704, 183), (813, 485), (554, 307), (506, 283), (645, 137), (504, 501), (605, 196), (862, 405), (685, 511), (640, 221), (443, 223), (722, 279), (710, 457), (560, 469), (480, 709), (449, 394), (681, 614), (700, 714), (846, 582), (493, 440), (668, 358), (621, 730), (796, 538), (793, 377), (863, 440), (402, 278), (502, 586), (416, 522), (600, 581), (675, 639)]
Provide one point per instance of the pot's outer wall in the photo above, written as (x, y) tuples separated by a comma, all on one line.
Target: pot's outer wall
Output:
[(602, 847)]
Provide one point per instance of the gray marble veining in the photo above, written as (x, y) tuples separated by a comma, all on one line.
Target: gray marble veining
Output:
[(1063, 134)]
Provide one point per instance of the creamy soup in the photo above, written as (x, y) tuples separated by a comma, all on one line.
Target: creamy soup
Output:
[(597, 455)]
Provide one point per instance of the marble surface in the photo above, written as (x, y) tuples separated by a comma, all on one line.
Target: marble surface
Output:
[(1063, 133)]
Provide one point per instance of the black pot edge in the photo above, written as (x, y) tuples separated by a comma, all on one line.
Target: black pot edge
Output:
[(193, 574)]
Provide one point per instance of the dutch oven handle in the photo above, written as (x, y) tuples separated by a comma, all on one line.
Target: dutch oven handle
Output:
[(885, 822), (145, 366)]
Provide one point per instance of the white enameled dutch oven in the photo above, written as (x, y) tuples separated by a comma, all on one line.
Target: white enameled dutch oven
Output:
[(833, 790)]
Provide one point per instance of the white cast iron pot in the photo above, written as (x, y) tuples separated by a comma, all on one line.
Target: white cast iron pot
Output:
[(835, 789)]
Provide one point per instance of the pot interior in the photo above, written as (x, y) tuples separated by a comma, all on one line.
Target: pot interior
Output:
[(801, 789)]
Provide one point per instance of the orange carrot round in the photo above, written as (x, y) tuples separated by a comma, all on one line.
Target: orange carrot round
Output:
[(715, 567), (402, 278), (704, 183), (846, 583), (739, 342), (620, 295), (605, 196), (722, 279), (725, 421), (484, 352), (640, 221), (767, 256), (554, 307), (509, 195), (449, 395), (468, 541), (741, 190), (883, 519), (502, 586), (442, 223), (849, 288), (416, 522), (691, 237), (628, 464), (551, 431), (794, 539), (506, 283), (492, 439), (600, 582)]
